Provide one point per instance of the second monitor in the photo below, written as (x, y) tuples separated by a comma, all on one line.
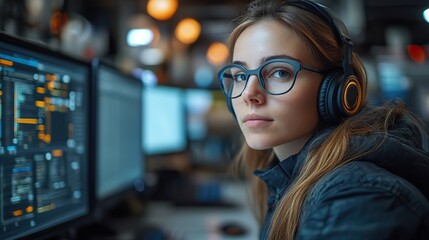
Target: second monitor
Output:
[(119, 163), (164, 123)]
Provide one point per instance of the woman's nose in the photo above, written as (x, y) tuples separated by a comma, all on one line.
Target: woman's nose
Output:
[(253, 91)]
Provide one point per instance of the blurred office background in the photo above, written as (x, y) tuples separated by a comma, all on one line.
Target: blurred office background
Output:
[(181, 43), (175, 48)]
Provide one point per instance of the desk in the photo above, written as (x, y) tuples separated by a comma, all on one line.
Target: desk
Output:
[(202, 223)]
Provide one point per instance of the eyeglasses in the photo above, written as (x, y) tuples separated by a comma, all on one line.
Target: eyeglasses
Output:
[(276, 76)]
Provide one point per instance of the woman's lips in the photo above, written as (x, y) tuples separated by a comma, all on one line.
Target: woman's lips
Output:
[(256, 121)]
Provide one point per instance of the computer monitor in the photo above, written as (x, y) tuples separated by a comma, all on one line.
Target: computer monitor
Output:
[(43, 139), (164, 123), (119, 159)]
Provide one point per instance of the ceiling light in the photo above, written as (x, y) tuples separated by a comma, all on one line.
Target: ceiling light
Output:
[(217, 53), (139, 37), (188, 30), (162, 9)]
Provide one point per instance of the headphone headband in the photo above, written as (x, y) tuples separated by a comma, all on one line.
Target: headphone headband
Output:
[(336, 24), (326, 14)]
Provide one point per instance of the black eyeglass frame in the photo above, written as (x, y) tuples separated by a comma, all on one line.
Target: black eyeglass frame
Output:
[(297, 66)]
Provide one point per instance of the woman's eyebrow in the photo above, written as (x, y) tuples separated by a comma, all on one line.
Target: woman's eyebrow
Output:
[(278, 56), (264, 59), (240, 63)]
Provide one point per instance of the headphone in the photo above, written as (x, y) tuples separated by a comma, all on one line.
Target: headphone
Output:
[(341, 93)]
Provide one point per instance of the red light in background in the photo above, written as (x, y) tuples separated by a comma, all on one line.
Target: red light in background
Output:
[(416, 53)]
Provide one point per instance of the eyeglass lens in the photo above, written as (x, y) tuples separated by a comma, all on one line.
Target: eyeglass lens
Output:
[(274, 77)]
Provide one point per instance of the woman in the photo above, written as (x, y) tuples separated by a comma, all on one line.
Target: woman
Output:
[(323, 164)]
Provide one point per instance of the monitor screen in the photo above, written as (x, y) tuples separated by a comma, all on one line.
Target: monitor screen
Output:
[(43, 139), (164, 123), (119, 163)]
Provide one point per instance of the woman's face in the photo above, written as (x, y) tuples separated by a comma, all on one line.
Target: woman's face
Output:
[(282, 122)]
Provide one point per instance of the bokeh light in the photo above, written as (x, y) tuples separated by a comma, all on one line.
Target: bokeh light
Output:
[(217, 53), (188, 30), (162, 9)]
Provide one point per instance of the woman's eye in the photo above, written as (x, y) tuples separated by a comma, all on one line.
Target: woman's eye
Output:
[(239, 77), (279, 74)]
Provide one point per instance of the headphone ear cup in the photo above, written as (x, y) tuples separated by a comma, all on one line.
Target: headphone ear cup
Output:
[(351, 96), (327, 99), (339, 98)]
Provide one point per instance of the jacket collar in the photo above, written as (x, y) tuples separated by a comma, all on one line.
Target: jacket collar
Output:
[(280, 174), (400, 152)]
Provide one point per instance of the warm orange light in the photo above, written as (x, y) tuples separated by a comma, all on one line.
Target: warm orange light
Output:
[(17, 213), (57, 21), (217, 53), (162, 9), (57, 153), (50, 86), (40, 104), (41, 136), (51, 77), (29, 209), (6, 62), (188, 30), (40, 90), (47, 138), (26, 120)]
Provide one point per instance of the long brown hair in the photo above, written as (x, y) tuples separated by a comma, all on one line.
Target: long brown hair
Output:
[(319, 37)]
